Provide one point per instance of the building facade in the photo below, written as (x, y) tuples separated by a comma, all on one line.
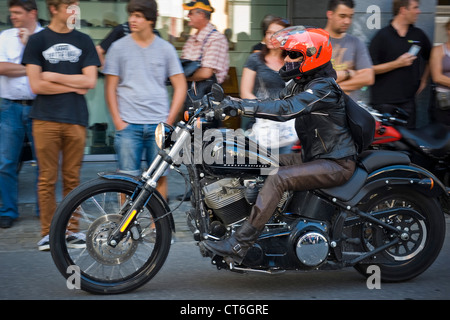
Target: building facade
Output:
[(238, 19)]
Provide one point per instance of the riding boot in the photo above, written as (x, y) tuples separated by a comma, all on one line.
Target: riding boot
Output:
[(237, 245)]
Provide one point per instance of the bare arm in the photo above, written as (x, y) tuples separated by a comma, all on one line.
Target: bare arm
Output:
[(436, 67), (358, 79), (404, 60), (201, 74), (13, 70), (101, 54), (424, 79), (86, 80), (179, 96), (40, 86), (111, 83), (247, 84)]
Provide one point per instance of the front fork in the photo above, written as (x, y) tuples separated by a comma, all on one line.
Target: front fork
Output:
[(151, 177)]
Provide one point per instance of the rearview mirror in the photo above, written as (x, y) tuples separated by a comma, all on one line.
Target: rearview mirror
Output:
[(217, 92)]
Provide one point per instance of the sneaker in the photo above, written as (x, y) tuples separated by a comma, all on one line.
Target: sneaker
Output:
[(6, 222), (44, 244), (76, 240)]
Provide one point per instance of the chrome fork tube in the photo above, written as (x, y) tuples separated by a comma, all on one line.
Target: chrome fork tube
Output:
[(156, 170), (153, 175), (146, 175)]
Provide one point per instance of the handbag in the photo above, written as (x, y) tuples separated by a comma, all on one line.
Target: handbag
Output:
[(190, 66), (443, 100)]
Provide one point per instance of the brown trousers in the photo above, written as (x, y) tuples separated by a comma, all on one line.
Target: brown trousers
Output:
[(52, 140), (295, 175)]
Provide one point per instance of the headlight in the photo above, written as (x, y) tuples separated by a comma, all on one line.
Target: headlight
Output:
[(163, 135)]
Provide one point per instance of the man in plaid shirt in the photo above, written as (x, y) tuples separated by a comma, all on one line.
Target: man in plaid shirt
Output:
[(210, 47), (207, 45)]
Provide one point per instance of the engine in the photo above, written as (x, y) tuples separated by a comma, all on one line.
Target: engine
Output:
[(226, 197), (302, 241)]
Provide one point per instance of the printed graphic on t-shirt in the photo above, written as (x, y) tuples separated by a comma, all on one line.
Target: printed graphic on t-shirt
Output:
[(338, 61), (62, 52)]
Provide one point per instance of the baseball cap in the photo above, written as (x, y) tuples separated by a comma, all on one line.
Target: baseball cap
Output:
[(199, 4)]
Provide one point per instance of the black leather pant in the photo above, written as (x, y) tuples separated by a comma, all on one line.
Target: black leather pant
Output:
[(295, 175)]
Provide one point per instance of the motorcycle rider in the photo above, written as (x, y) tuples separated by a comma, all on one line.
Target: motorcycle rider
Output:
[(315, 101)]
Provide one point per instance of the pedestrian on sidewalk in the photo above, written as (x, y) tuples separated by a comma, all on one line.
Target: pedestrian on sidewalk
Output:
[(61, 63), (136, 69), (400, 53), (16, 100)]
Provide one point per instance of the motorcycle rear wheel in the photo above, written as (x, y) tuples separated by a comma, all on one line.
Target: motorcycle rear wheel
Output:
[(93, 209), (425, 225)]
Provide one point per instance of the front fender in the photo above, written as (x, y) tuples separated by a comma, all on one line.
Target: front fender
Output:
[(402, 175), (138, 183)]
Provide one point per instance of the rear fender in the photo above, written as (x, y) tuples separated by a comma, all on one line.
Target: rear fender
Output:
[(402, 175), (138, 183)]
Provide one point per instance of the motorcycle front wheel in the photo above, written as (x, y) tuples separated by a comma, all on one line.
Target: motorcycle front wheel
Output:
[(82, 224), (424, 223)]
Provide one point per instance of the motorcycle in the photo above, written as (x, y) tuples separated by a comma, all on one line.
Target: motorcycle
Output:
[(387, 214), (428, 146)]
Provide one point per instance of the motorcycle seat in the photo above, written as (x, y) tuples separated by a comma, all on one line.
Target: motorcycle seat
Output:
[(367, 162), (372, 160), (349, 189), (433, 139)]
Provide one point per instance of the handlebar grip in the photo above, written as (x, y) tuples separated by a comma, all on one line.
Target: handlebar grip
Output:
[(399, 121)]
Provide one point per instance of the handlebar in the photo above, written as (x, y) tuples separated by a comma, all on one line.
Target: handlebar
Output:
[(207, 106), (388, 119), (385, 118)]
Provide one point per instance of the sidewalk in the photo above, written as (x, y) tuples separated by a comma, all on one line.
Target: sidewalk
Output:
[(25, 232)]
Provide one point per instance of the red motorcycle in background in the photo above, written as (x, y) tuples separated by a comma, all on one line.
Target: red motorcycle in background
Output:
[(428, 146)]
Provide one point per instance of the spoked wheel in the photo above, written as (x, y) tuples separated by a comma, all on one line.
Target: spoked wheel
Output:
[(423, 227), (81, 227)]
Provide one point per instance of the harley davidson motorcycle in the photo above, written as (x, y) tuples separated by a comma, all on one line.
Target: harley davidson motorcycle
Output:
[(387, 214)]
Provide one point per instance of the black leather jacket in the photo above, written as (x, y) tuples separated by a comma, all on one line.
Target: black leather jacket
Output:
[(319, 112)]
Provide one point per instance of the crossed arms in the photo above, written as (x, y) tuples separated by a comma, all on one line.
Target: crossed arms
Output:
[(48, 83)]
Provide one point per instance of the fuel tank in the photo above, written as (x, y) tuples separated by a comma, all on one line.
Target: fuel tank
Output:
[(227, 151)]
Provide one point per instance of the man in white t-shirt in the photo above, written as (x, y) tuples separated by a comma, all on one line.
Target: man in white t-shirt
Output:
[(16, 100)]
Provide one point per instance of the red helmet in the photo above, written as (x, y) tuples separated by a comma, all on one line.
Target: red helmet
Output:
[(313, 43)]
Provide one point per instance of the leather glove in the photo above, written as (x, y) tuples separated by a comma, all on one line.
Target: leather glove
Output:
[(228, 107)]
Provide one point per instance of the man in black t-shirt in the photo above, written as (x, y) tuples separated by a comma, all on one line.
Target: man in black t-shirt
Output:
[(400, 54), (61, 64)]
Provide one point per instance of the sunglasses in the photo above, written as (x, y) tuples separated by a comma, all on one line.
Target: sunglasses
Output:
[(294, 54)]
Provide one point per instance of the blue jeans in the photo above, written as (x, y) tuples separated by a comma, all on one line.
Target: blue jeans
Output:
[(14, 125), (130, 145)]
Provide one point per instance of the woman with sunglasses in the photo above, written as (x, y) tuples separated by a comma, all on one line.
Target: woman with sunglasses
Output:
[(261, 80), (315, 101)]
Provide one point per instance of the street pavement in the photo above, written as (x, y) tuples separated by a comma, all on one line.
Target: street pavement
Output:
[(26, 273), (25, 232)]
